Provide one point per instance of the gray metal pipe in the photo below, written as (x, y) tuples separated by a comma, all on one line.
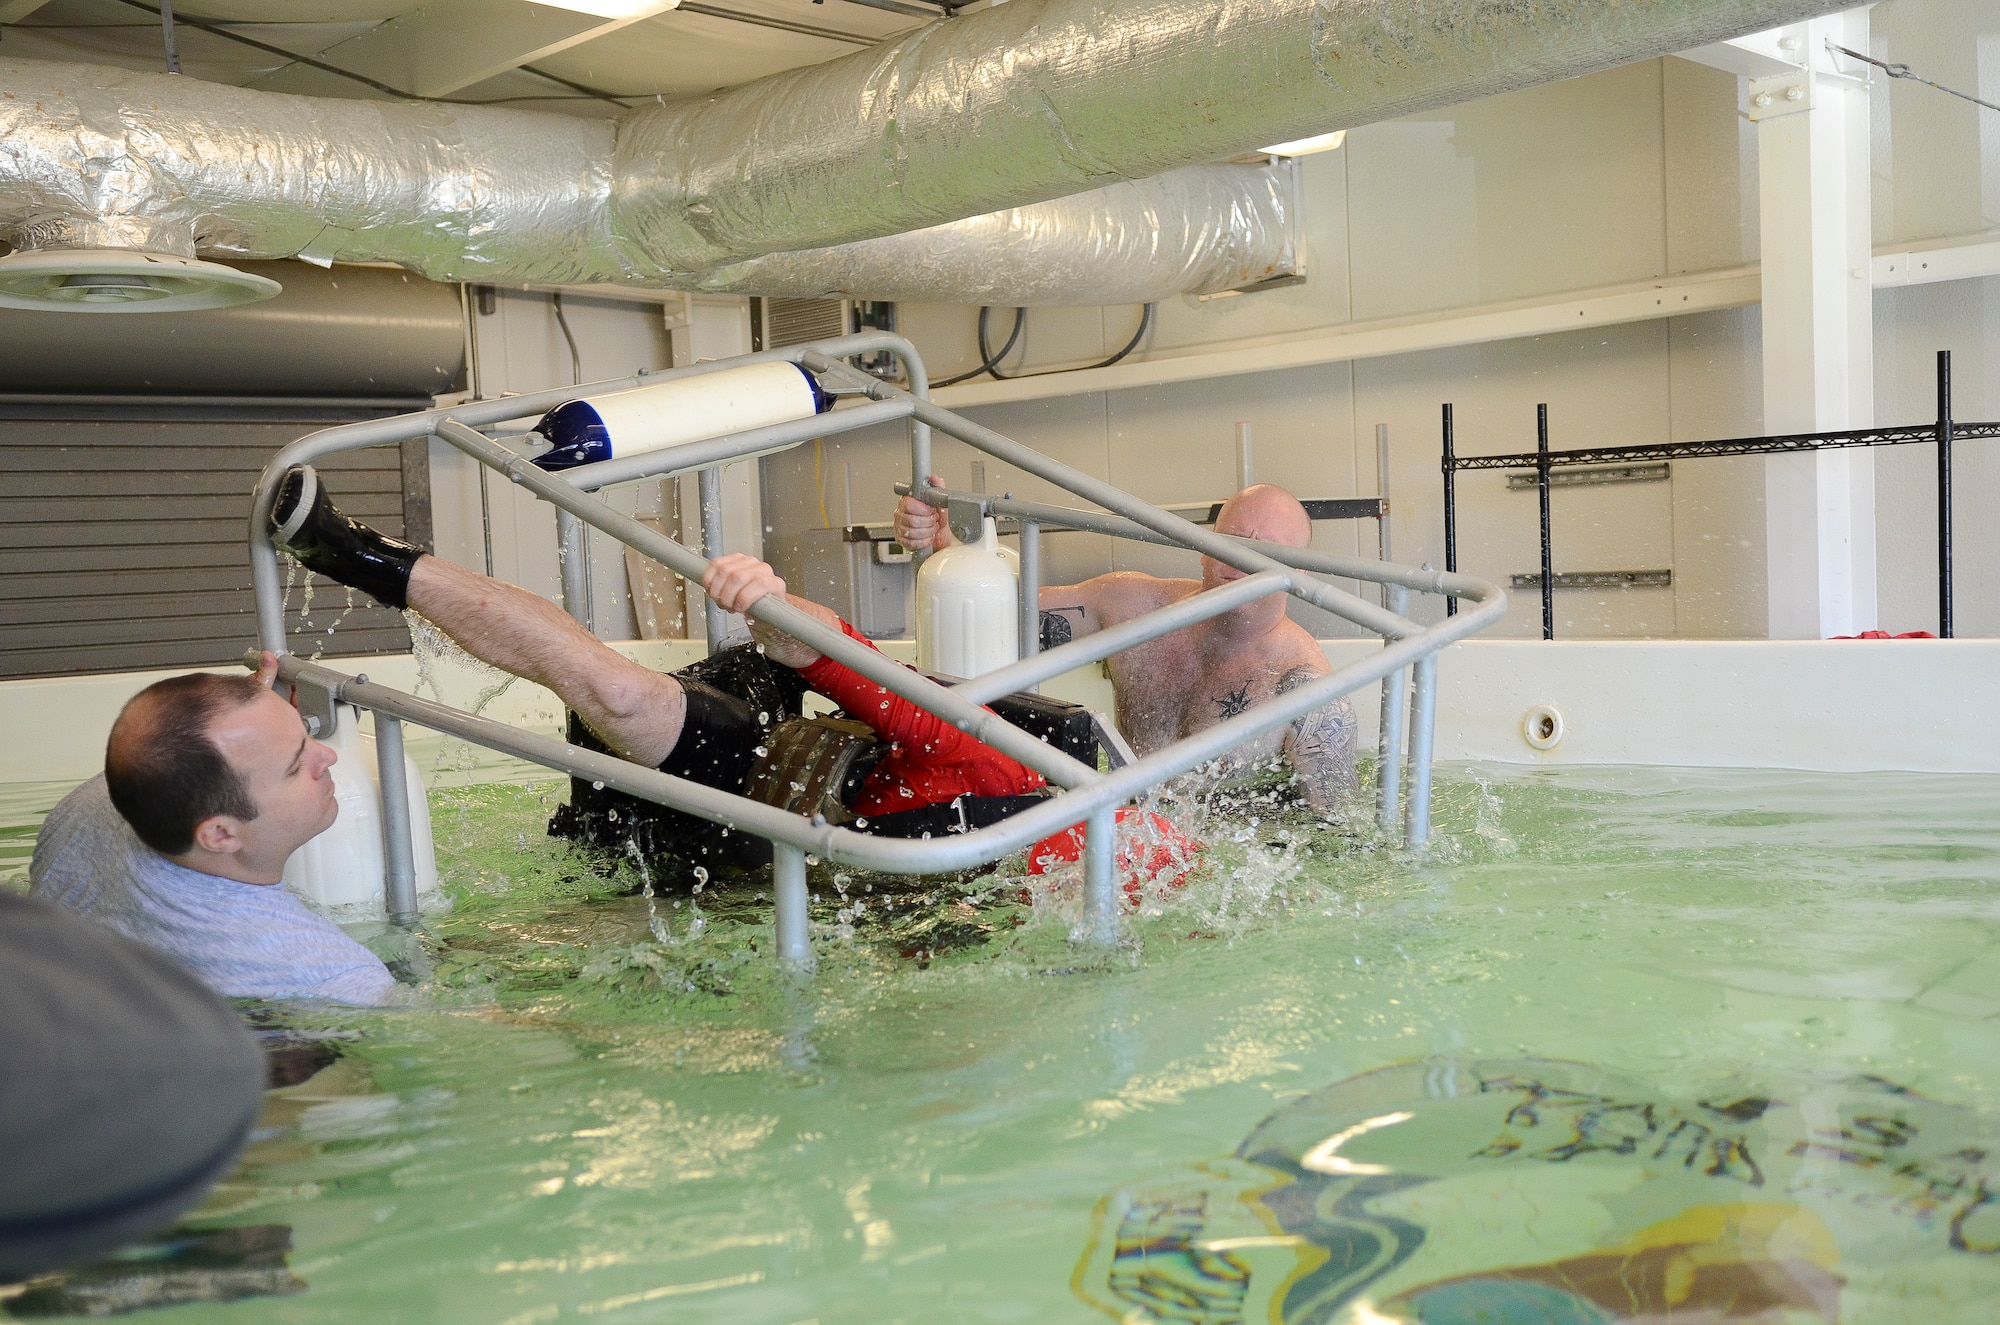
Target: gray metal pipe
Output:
[(572, 561), (1031, 591), (1423, 715), (399, 858), (715, 621), (1101, 644), (790, 904), (1100, 876), (1060, 519), (976, 722), (1389, 742)]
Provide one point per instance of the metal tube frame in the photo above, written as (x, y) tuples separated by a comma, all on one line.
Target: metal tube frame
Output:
[(1548, 552), (399, 858), (1944, 430), (1086, 795)]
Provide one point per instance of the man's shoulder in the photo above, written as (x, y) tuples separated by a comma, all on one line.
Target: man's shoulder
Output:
[(1134, 591), (1291, 648)]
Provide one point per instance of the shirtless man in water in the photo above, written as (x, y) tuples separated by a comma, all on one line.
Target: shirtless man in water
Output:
[(1202, 674)]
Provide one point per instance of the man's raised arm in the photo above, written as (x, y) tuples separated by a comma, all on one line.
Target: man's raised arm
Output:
[(1320, 747)]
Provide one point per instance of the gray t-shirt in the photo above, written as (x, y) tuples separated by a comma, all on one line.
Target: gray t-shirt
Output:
[(244, 940)]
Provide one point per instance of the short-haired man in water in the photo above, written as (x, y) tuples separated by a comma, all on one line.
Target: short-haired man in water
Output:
[(1202, 674), (210, 783)]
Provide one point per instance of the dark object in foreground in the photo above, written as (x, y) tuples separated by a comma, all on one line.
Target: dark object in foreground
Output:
[(223, 1265), (129, 1089)]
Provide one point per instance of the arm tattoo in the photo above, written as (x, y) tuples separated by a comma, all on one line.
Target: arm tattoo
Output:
[(1055, 628), (1235, 702), (1320, 745)]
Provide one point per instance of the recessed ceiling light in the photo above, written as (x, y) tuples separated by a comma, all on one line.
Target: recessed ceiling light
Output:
[(85, 280), (616, 8), (1325, 142)]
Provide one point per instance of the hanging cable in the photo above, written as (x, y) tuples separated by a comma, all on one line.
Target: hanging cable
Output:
[(992, 361), (167, 35), (988, 359), (562, 320), (1904, 71)]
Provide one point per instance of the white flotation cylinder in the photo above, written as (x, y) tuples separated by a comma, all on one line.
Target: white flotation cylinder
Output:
[(969, 607), (619, 424), (340, 872)]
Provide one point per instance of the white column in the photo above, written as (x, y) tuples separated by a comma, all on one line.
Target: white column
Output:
[(1813, 178)]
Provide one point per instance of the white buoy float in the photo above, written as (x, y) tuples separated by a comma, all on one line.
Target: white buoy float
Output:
[(620, 424), (340, 873), (968, 607)]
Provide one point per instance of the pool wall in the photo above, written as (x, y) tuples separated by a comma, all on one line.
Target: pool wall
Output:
[(1831, 705)]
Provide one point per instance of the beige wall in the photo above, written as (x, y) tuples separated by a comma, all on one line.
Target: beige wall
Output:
[(1635, 173)]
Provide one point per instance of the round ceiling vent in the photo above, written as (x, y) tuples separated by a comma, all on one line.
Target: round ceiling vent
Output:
[(100, 280)]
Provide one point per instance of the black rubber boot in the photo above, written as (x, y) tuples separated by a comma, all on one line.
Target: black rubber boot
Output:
[(305, 524)]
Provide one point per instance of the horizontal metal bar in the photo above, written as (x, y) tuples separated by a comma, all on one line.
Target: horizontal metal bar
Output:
[(976, 722), (1243, 557), (1101, 644), (720, 450), (1059, 519), (1529, 481), (1317, 508), (1776, 445), (1598, 579), (480, 413)]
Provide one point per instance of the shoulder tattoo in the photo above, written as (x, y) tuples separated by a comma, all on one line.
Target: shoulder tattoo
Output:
[(1056, 628), (1235, 702)]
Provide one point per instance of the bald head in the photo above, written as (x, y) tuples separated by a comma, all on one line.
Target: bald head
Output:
[(162, 768), (1267, 513)]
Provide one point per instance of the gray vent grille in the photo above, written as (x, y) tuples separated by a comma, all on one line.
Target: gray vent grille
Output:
[(122, 544)]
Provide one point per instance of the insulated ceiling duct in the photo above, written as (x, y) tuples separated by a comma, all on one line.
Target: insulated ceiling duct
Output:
[(1009, 107), (1194, 231)]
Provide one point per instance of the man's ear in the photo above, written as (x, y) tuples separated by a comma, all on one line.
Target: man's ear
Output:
[(219, 834)]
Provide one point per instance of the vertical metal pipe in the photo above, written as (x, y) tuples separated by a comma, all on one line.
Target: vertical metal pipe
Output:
[(570, 552), (1031, 588), (710, 486), (1450, 508), (788, 886), (1246, 458), (1382, 491), (1389, 738), (1100, 877), (486, 517), (1944, 492), (1423, 726), (399, 858), (1542, 487)]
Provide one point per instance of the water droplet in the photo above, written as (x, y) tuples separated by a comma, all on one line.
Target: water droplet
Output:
[(761, 751), (597, 786), (860, 823), (812, 860), (763, 719)]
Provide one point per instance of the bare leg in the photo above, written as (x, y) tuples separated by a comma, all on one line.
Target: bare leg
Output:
[(637, 711)]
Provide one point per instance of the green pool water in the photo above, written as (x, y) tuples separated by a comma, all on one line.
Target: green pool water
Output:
[(1629, 1045)]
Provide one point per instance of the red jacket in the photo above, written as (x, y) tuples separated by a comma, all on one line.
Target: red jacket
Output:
[(929, 760)]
